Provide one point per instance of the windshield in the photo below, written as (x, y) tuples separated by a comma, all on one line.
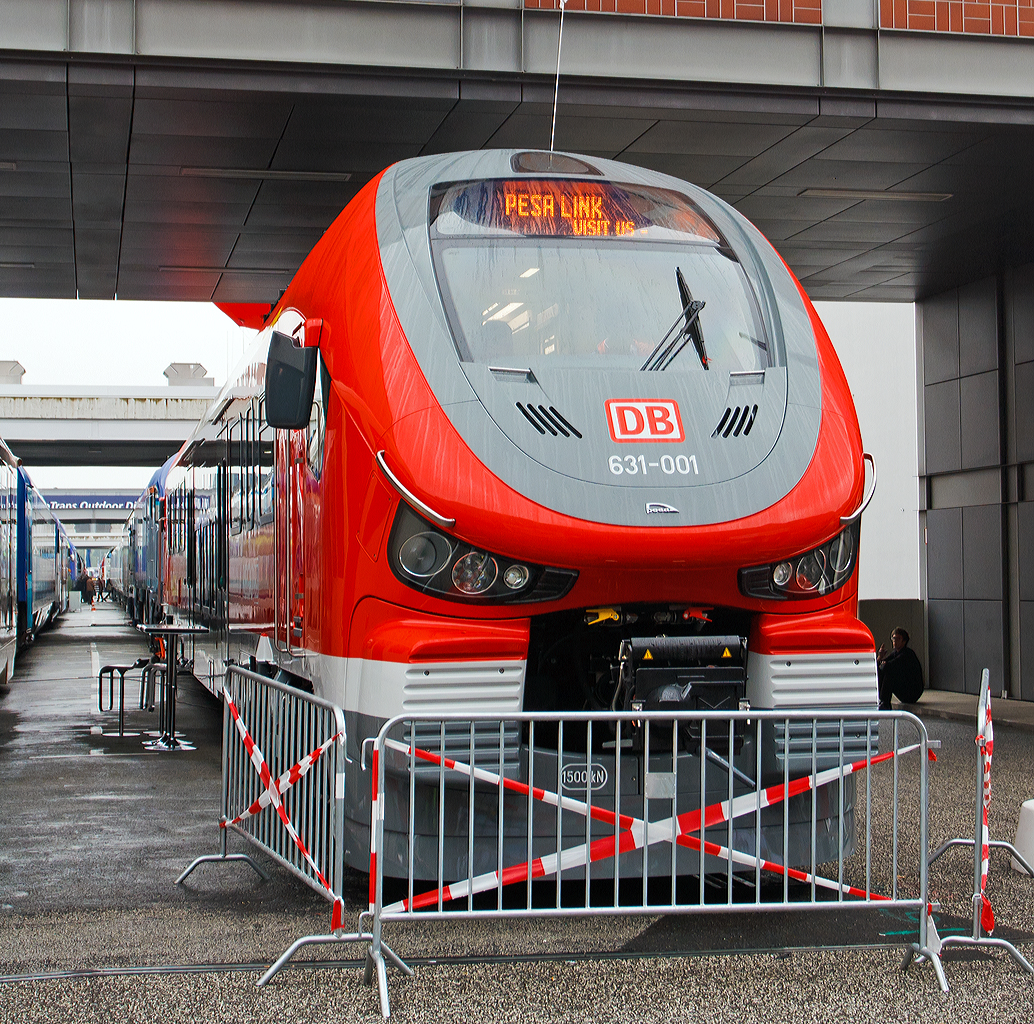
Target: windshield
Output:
[(579, 304), (591, 274)]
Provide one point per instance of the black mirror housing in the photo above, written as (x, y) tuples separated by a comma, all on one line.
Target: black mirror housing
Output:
[(290, 383)]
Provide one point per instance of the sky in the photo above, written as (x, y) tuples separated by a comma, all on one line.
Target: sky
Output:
[(66, 341)]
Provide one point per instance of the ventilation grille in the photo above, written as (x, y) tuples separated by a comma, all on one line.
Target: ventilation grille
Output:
[(547, 421), (736, 420), (491, 746)]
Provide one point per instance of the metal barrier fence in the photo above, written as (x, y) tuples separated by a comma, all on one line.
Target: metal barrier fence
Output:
[(784, 811), (982, 844), (579, 814), (267, 724)]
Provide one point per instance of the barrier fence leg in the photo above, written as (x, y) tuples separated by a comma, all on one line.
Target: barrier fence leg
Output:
[(309, 940), (222, 857)]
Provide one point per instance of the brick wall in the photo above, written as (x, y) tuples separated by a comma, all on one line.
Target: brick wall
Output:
[(999, 19), (799, 11)]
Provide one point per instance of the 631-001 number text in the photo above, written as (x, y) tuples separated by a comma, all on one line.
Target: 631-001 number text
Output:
[(681, 465)]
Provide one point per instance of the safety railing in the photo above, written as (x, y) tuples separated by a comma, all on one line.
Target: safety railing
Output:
[(618, 814), (283, 791)]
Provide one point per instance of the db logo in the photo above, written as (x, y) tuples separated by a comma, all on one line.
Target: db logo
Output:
[(650, 419)]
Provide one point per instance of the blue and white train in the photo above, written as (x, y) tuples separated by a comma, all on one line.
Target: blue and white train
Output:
[(38, 562)]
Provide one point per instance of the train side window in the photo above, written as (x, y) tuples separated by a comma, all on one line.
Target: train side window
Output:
[(235, 476), (253, 470), (247, 509), (188, 496), (266, 440), (174, 526), (179, 519), (317, 425)]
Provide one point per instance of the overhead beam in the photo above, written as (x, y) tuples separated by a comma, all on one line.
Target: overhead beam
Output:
[(103, 426), (94, 453), (499, 36)]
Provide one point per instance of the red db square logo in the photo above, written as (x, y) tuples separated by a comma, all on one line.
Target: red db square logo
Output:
[(651, 419)]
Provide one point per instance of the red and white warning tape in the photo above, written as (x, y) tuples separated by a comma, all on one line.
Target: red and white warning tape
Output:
[(282, 784), (985, 741), (271, 795), (634, 834)]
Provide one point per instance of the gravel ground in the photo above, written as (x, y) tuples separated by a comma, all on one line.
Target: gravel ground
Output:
[(805, 987)]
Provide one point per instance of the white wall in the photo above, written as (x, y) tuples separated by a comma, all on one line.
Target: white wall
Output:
[(876, 345)]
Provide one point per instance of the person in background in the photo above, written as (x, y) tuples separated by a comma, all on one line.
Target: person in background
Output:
[(898, 671)]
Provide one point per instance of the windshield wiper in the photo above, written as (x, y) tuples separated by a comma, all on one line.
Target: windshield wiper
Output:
[(687, 325)]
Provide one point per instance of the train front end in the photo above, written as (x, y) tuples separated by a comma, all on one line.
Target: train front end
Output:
[(620, 469)]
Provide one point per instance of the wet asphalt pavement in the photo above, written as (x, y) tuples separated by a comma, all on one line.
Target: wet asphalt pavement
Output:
[(94, 831)]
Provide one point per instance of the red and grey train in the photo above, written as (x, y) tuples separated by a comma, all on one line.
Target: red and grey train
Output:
[(518, 418)]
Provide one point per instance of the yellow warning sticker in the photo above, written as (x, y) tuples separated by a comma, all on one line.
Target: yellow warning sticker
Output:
[(647, 656), (726, 653)]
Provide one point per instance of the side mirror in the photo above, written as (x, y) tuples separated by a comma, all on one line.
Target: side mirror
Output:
[(290, 383)]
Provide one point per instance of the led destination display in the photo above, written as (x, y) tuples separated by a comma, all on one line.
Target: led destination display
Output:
[(569, 209), (563, 212)]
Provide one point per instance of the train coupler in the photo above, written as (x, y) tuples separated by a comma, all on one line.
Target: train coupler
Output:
[(685, 673)]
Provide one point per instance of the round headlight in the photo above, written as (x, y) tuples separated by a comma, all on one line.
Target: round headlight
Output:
[(424, 554), (474, 573), (781, 574), (809, 571), (516, 576), (841, 552)]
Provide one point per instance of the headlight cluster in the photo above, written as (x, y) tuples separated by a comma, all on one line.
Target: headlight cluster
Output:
[(425, 558), (813, 574)]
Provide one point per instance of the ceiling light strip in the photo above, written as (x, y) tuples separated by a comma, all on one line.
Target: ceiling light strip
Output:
[(226, 270), (256, 174), (874, 193)]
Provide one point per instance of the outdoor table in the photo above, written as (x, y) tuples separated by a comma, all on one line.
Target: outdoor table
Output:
[(167, 696)]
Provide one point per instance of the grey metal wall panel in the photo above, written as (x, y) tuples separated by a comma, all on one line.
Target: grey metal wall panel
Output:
[(944, 554), (1020, 298), (943, 448), (1026, 687), (848, 14), (978, 326), (41, 25), (491, 40), (394, 35), (676, 50), (988, 65), (947, 652), (101, 26), (850, 60), (982, 552), (974, 487), (984, 633), (1024, 399), (980, 420), (941, 337), (1025, 550)]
